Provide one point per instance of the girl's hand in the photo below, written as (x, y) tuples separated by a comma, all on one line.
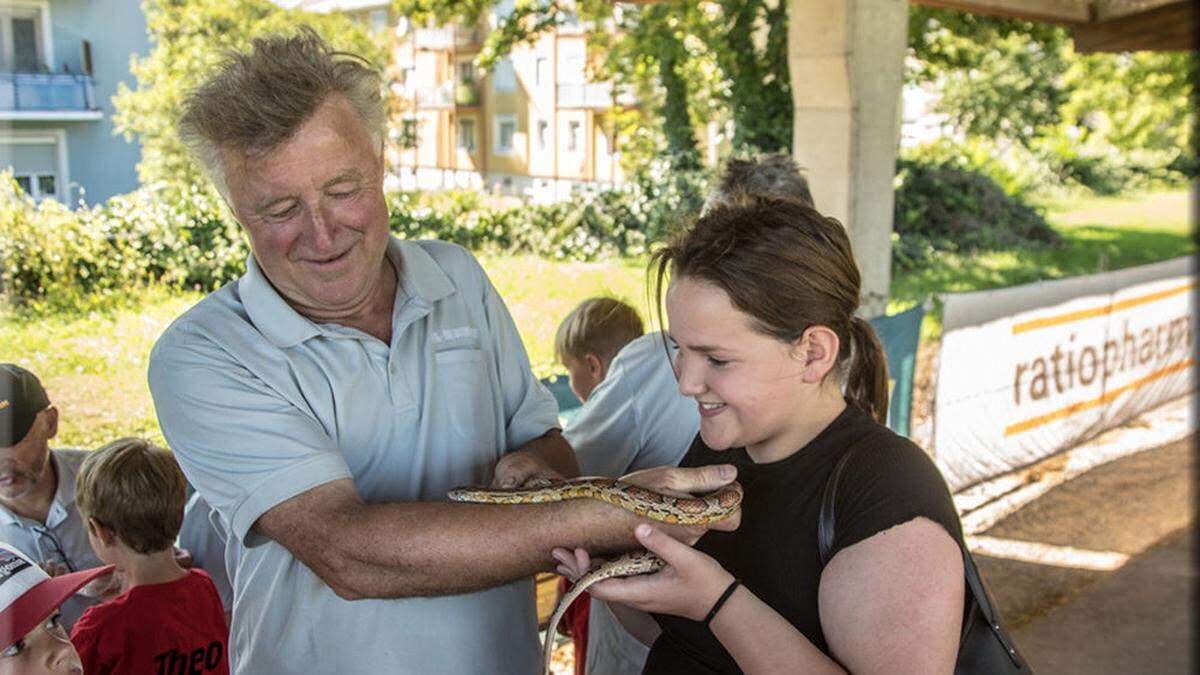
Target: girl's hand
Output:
[(689, 586)]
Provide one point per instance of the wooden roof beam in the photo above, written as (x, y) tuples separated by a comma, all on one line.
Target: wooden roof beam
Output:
[(1048, 11)]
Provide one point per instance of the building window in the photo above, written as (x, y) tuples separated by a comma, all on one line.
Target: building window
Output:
[(506, 131), (408, 133), (38, 185), (573, 136), (543, 132), (466, 72), (466, 134), (504, 77), (379, 19), (20, 40), (541, 71)]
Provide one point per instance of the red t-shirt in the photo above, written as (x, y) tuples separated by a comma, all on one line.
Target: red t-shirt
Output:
[(176, 628), (575, 622)]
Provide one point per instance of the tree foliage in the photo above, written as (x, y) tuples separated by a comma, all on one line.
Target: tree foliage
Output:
[(188, 38), (1105, 121)]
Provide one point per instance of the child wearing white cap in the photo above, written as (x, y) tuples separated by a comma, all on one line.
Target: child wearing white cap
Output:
[(31, 635)]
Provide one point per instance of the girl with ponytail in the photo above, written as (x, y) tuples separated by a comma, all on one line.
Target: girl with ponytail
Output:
[(761, 299)]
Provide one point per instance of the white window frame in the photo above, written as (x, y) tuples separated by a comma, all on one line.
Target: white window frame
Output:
[(22, 9), (463, 122), (56, 137), (499, 121)]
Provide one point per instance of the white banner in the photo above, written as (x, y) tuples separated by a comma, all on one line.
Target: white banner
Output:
[(1028, 371)]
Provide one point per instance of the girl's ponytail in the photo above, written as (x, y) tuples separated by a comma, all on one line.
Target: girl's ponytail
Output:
[(867, 380)]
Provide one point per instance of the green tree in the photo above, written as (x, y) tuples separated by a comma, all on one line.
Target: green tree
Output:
[(188, 38), (1105, 121)]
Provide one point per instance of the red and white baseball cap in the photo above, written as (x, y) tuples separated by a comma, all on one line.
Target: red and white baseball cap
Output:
[(28, 595)]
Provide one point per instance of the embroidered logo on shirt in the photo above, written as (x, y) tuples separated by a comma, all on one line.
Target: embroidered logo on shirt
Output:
[(454, 334)]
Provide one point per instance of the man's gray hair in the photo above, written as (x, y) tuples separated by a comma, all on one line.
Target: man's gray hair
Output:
[(256, 100), (775, 176)]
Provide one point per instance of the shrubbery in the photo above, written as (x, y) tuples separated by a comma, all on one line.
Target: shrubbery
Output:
[(944, 207), (53, 258)]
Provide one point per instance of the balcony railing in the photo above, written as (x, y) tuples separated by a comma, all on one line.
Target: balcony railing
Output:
[(46, 92), (466, 94), (585, 95), (435, 38), (435, 97)]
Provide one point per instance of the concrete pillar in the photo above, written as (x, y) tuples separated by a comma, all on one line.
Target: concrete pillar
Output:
[(847, 61)]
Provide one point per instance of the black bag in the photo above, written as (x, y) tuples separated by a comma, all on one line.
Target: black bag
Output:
[(985, 648)]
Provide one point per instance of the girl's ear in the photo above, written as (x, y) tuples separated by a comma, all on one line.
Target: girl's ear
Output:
[(817, 349)]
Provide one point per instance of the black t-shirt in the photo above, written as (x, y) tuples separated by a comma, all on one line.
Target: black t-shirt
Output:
[(888, 481)]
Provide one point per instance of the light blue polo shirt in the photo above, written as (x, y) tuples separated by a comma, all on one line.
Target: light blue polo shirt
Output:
[(261, 404)]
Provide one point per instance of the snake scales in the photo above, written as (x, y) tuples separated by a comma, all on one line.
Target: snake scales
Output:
[(704, 509)]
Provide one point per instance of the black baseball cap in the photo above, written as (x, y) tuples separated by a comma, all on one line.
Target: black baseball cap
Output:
[(21, 399)]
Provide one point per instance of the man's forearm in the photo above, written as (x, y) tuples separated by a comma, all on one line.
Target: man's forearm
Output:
[(428, 549)]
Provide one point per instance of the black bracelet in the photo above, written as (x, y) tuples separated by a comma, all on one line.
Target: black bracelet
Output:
[(721, 601)]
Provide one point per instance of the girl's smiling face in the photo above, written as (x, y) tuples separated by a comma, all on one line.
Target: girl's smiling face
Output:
[(751, 388)]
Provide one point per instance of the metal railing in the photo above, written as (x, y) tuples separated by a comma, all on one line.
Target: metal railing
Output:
[(585, 95), (438, 96), (435, 38), (52, 92)]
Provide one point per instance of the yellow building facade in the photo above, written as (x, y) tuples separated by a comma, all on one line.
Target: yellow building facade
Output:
[(533, 127)]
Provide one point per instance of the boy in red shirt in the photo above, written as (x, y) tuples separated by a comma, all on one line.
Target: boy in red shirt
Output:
[(169, 619)]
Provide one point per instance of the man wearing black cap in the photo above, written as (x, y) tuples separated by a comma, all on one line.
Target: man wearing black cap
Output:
[(37, 486)]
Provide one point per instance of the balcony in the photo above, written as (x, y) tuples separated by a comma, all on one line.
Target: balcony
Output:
[(585, 95), (434, 38), (47, 96), (466, 94), (438, 96)]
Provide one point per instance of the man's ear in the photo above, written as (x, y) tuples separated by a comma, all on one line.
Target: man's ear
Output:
[(51, 422), (817, 349)]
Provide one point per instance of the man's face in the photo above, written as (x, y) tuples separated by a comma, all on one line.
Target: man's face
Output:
[(315, 212), (23, 466)]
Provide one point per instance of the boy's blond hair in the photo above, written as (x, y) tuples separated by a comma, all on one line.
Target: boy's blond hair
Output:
[(136, 490), (599, 326)]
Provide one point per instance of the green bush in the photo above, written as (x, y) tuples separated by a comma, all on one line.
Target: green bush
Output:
[(943, 207), (56, 259)]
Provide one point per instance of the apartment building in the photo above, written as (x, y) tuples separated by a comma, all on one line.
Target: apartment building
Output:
[(60, 64), (534, 126)]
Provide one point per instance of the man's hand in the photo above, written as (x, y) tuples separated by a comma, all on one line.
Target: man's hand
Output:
[(183, 557), (686, 482), (518, 468), (53, 568), (104, 588)]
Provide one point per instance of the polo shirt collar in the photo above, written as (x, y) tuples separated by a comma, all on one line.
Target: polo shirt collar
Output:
[(421, 278)]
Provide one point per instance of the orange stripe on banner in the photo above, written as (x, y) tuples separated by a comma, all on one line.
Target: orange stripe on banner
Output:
[(1084, 405), (1046, 322)]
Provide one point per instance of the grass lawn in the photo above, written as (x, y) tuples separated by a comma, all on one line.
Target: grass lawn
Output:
[(94, 366)]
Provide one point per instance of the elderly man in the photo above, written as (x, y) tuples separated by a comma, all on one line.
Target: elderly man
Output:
[(325, 403), (37, 485)]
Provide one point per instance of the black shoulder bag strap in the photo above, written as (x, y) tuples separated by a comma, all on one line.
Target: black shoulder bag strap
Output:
[(983, 609)]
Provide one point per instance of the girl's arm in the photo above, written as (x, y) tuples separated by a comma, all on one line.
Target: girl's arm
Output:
[(889, 604)]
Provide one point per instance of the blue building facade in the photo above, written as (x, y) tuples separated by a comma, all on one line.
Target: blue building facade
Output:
[(60, 64)]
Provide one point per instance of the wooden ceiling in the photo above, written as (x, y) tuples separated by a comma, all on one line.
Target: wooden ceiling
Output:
[(1102, 25)]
